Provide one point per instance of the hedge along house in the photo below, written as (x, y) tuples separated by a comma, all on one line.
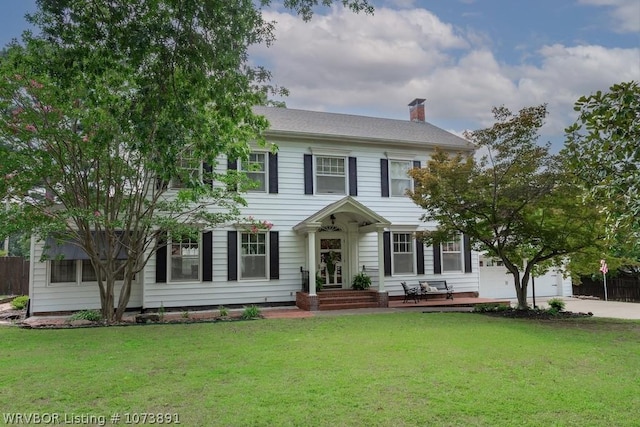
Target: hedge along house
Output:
[(335, 192)]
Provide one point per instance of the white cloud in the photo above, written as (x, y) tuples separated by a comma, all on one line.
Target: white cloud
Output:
[(625, 13), (375, 65)]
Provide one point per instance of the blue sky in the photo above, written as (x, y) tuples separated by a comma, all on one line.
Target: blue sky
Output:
[(463, 56)]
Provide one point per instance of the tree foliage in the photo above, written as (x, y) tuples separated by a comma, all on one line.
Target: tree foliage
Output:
[(603, 151), (114, 100), (515, 202)]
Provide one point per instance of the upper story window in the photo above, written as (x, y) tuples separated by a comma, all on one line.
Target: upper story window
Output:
[(189, 170), (256, 170), (403, 253), (330, 175), (399, 177), (452, 255), (184, 260), (253, 256)]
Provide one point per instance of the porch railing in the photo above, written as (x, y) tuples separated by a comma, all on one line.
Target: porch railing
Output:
[(304, 277)]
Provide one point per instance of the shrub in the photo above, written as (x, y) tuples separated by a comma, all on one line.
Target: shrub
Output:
[(251, 312), (90, 315), (556, 304), (224, 311), (361, 281), (20, 302), (185, 314)]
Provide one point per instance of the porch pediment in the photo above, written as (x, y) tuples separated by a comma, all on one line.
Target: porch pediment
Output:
[(361, 214)]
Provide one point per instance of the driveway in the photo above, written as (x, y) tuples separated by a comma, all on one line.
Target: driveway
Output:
[(599, 308)]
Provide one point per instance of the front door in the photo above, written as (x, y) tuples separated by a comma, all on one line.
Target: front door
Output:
[(331, 261)]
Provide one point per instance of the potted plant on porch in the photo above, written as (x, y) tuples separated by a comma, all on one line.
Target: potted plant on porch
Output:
[(361, 281)]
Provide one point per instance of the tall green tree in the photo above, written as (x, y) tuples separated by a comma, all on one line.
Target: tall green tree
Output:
[(114, 100), (602, 150), (515, 202)]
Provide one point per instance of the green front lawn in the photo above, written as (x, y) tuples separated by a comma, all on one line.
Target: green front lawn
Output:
[(407, 369)]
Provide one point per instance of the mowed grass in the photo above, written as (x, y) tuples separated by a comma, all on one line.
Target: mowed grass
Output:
[(404, 369)]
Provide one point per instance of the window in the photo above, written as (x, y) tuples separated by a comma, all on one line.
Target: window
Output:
[(189, 170), (63, 271), (452, 255), (77, 271), (330, 175), (256, 171), (89, 273), (403, 253), (184, 260), (399, 176), (253, 256)]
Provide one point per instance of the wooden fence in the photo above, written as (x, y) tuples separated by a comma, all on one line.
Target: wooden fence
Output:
[(622, 288), (14, 276)]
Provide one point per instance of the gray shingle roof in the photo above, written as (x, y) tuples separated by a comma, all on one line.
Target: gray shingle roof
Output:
[(318, 124)]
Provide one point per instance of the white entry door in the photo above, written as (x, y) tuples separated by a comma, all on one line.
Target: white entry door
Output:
[(331, 259)]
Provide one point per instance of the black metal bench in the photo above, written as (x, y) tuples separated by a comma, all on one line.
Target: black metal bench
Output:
[(410, 293), (426, 288)]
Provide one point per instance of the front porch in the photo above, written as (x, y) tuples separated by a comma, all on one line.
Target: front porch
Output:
[(345, 299)]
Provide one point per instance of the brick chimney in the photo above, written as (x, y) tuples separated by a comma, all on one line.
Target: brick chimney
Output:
[(416, 110)]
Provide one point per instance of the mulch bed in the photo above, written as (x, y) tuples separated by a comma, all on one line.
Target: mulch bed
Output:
[(536, 314)]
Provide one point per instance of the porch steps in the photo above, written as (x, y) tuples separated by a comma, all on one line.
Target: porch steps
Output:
[(344, 299)]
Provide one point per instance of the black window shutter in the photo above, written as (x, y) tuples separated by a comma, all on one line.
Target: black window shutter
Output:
[(308, 174), (437, 259), (232, 255), (386, 244), (420, 256), (232, 165), (207, 169), (207, 256), (274, 255), (384, 177), (273, 173), (353, 176), (467, 254), (161, 258)]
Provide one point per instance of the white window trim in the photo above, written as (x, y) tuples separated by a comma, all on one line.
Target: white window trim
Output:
[(200, 174), (267, 255), (461, 256), (169, 276), (411, 184), (77, 282), (413, 255), (266, 171), (391, 155), (346, 174)]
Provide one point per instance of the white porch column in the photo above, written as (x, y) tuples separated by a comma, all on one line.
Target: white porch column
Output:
[(380, 260), (311, 261)]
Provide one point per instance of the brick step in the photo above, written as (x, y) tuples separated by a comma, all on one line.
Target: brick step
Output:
[(343, 292), (347, 301), (346, 306)]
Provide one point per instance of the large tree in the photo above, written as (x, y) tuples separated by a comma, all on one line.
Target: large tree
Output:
[(603, 151), (113, 101), (515, 202)]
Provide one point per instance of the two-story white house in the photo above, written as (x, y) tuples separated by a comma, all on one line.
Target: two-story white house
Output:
[(335, 193)]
